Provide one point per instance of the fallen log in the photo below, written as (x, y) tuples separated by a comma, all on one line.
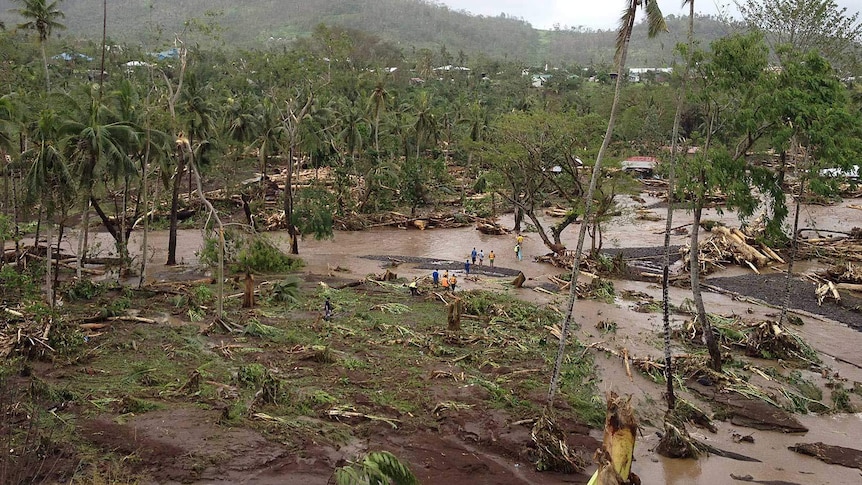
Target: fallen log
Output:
[(831, 454)]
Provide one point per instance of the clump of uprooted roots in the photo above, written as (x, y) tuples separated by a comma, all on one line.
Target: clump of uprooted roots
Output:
[(772, 341), (765, 339), (676, 442), (554, 453)]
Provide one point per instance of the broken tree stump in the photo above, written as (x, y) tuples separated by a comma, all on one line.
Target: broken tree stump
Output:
[(519, 280), (248, 294), (453, 314)]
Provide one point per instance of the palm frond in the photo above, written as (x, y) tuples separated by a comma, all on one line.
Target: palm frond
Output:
[(655, 20)]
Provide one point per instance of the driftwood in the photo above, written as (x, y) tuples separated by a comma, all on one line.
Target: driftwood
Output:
[(726, 245), (489, 227)]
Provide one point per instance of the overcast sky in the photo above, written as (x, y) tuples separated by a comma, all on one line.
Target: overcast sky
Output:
[(594, 14)]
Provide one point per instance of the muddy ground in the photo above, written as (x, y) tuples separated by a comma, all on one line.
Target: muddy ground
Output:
[(186, 443)]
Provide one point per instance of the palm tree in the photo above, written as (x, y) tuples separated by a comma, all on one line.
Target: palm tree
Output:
[(49, 180), (425, 125), (8, 129), (655, 24), (198, 114), (100, 142), (43, 17), (377, 105)]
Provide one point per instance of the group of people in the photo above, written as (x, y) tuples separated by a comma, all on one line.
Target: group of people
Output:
[(480, 257), (448, 282)]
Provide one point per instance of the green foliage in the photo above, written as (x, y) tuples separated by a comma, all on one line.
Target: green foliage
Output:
[(252, 374), (244, 252), (83, 289), (376, 468), (285, 291), (257, 329), (315, 207)]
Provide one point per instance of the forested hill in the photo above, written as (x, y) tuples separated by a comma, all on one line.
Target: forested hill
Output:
[(409, 24)]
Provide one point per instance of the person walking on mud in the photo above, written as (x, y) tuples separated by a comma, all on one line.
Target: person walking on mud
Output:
[(327, 309), (473, 255), (481, 257), (445, 281), (467, 266), (518, 252), (435, 278), (452, 282), (491, 257)]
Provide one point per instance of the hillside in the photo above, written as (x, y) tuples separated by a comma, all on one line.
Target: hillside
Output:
[(409, 24)]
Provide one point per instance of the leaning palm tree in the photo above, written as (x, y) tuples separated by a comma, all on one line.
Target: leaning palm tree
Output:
[(655, 25), (44, 18)]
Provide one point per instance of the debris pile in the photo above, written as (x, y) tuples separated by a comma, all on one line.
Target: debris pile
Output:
[(731, 246)]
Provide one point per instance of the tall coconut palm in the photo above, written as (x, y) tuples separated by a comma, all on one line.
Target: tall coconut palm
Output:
[(197, 116), (44, 18), (377, 105), (655, 25), (425, 125)]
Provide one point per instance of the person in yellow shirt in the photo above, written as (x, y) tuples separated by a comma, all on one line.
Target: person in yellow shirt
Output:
[(452, 282), (491, 257)]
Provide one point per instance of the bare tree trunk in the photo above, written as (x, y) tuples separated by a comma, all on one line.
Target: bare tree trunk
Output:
[(671, 186), (49, 289), (57, 265), (175, 206), (82, 238), (570, 308), (145, 166), (220, 270), (794, 244), (697, 296)]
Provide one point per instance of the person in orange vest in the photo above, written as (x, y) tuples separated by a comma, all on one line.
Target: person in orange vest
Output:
[(444, 282), (452, 282)]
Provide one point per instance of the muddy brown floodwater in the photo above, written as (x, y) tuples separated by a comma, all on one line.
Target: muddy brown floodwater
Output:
[(637, 332)]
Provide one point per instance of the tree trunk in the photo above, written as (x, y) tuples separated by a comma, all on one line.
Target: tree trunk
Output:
[(453, 315), (57, 265), (671, 181), (175, 207), (82, 238), (45, 63), (564, 327), (708, 335), (193, 169), (49, 288), (145, 188), (794, 244), (288, 202), (248, 294)]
